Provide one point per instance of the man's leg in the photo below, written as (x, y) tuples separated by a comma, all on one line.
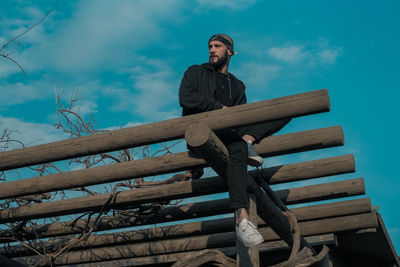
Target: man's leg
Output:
[(261, 130), (254, 133), (236, 173), (237, 179)]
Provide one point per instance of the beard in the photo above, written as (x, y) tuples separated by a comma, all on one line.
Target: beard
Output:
[(222, 61)]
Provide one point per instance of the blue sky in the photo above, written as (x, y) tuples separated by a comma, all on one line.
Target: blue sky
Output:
[(126, 59)]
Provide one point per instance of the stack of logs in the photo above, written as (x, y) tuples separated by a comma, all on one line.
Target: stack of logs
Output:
[(169, 243)]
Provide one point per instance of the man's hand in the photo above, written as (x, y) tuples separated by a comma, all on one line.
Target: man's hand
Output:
[(224, 107), (248, 138)]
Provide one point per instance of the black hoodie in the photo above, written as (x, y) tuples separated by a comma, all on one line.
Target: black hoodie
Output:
[(197, 90)]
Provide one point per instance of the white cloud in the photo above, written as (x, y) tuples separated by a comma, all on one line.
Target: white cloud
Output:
[(319, 52), (31, 133), (86, 107), (85, 95), (18, 93), (157, 91), (100, 34), (329, 55), (232, 4), (103, 34), (151, 92), (289, 54), (121, 99), (257, 76), (26, 17), (3, 40), (7, 67), (13, 27)]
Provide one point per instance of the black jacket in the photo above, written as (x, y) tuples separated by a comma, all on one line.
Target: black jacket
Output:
[(197, 90)]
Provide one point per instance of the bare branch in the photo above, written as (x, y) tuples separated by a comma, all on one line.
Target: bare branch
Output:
[(74, 124), (16, 63), (4, 46), (30, 28)]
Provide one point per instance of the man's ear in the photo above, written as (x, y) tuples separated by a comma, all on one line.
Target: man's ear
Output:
[(229, 52)]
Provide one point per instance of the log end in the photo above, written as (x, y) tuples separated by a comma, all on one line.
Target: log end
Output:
[(197, 134), (338, 132), (352, 162), (327, 100)]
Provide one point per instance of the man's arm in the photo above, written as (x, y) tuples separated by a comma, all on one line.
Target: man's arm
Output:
[(189, 96)]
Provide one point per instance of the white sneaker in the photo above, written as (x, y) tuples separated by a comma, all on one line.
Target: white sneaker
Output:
[(248, 234)]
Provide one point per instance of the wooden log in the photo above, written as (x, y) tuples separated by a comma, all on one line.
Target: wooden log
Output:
[(319, 192), (284, 107), (330, 225), (206, 256), (6, 262), (328, 239), (314, 240), (313, 212), (301, 141), (174, 191), (307, 170)]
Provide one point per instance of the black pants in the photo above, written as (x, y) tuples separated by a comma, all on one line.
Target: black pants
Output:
[(236, 172)]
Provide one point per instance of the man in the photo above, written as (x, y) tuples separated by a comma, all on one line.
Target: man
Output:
[(209, 87)]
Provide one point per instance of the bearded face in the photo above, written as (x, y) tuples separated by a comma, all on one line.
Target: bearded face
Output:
[(218, 54), (219, 61)]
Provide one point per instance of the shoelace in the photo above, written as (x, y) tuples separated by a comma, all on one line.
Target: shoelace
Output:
[(253, 229)]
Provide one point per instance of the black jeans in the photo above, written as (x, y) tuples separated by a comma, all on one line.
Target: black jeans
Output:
[(236, 172)]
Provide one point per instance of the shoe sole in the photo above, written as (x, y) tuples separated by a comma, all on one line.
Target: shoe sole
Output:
[(255, 244), (255, 161)]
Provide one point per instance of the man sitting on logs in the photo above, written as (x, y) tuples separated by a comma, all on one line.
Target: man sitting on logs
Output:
[(209, 87)]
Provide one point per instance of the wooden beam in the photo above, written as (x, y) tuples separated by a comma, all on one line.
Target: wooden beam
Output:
[(295, 142), (284, 107), (313, 212), (307, 170), (330, 225), (328, 239), (206, 257), (173, 191), (6, 262), (314, 240), (346, 188)]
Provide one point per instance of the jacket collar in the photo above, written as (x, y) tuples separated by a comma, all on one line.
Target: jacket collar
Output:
[(207, 66), (210, 68)]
